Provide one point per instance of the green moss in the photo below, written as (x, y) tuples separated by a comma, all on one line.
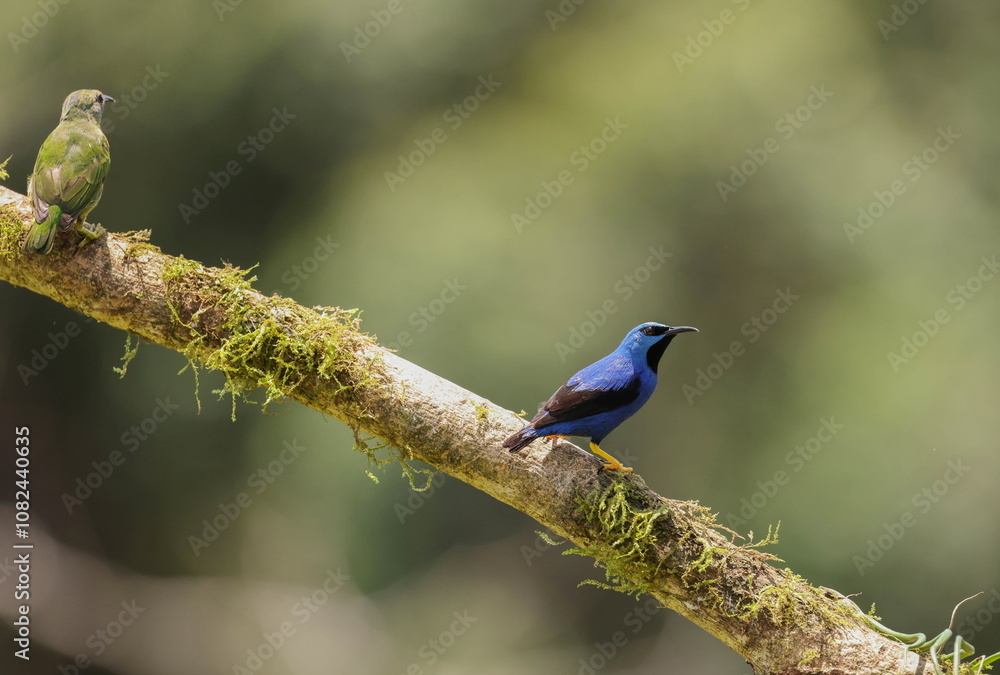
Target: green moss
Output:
[(260, 350), (130, 352), (138, 244), (3, 171), (176, 279), (707, 557), (11, 229), (193, 365), (547, 538), (810, 655), (275, 345), (137, 250), (769, 538), (780, 602), (175, 269), (626, 536), (627, 545), (380, 453)]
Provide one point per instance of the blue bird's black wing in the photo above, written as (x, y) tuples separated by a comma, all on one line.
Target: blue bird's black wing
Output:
[(571, 402)]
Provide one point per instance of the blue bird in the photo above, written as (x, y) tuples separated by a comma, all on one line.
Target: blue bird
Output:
[(597, 399)]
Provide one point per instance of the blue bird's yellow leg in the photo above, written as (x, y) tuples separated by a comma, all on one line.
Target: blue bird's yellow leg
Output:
[(555, 437), (613, 464)]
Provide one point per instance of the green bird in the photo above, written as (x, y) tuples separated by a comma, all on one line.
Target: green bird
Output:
[(69, 173)]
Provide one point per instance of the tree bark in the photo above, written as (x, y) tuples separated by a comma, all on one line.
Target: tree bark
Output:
[(647, 544)]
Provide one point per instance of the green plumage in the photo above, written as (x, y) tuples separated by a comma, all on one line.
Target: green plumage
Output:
[(69, 173)]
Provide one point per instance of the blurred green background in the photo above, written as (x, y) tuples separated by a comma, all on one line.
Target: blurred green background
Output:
[(505, 189)]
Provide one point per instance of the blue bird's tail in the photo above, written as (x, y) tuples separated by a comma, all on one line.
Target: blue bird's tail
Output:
[(521, 439)]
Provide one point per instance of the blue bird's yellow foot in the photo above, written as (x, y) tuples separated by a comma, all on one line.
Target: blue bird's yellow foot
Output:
[(613, 464)]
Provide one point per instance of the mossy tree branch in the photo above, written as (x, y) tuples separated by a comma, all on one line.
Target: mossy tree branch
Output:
[(318, 357)]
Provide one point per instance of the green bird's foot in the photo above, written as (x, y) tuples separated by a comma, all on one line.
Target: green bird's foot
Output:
[(613, 464), (90, 232)]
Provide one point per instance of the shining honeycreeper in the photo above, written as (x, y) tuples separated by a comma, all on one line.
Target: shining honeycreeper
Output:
[(597, 399), (69, 172)]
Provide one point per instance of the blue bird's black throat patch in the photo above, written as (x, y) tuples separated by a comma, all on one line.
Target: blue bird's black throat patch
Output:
[(655, 352)]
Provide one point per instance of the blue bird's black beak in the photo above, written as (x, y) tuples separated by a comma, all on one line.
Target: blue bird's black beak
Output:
[(656, 351)]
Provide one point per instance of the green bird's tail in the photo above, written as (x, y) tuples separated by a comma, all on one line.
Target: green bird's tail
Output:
[(43, 234)]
